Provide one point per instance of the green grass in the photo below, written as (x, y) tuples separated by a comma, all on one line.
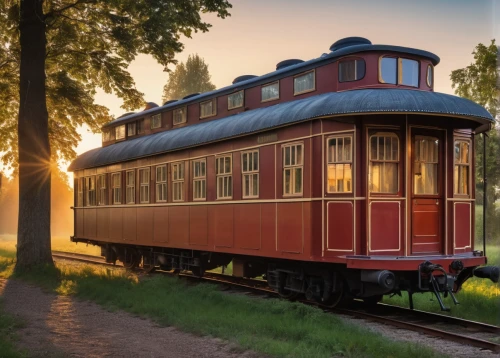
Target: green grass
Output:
[(273, 327), (8, 244), (8, 327), (479, 298)]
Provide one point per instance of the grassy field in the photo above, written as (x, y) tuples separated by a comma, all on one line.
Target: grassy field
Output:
[(479, 298), (274, 327), (8, 242)]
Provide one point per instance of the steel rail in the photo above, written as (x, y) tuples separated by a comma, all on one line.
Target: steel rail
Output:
[(260, 286)]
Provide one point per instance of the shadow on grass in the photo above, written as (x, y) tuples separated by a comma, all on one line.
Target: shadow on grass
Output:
[(274, 327)]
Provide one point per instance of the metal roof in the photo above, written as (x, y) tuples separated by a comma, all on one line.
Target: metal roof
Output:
[(290, 70), (261, 119)]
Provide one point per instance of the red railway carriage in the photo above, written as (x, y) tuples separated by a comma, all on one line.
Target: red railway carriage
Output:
[(342, 176)]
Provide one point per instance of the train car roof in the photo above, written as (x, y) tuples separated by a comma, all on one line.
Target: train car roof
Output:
[(345, 48), (365, 101)]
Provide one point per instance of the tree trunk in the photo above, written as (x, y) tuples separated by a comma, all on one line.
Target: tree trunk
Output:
[(33, 237)]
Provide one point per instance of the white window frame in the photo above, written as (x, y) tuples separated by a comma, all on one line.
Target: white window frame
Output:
[(295, 93), (90, 191), (250, 171), (156, 121), (161, 182), (144, 186), (292, 166), (131, 129), (242, 93), (118, 132), (200, 179), (224, 178), (370, 161), (117, 188), (80, 183), (459, 164), (214, 108), (130, 187), (336, 161), (270, 98), (101, 189), (178, 181), (183, 111)]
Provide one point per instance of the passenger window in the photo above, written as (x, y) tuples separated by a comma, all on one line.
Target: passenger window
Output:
[(384, 163), (130, 187), (199, 179), (178, 181), (223, 168), (161, 183), (250, 170), (462, 168), (304, 83), (270, 92), (426, 160), (235, 100), (293, 163), (388, 70), (351, 70), (408, 75), (116, 179), (340, 164), (144, 185)]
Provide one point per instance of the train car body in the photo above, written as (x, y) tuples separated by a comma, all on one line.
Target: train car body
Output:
[(345, 175)]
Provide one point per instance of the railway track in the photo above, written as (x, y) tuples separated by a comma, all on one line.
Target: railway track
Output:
[(463, 331)]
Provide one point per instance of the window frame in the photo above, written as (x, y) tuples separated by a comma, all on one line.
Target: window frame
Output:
[(250, 173), (80, 191), (343, 162), (114, 188), (147, 184), (128, 186), (242, 101), (140, 127), (292, 168), (161, 183), (214, 108), (223, 175), (431, 69), (313, 71), (101, 190), (272, 98), (469, 165), (90, 200), (385, 133), (200, 178), (153, 118), (399, 71), (129, 126), (184, 116), (124, 132), (355, 69), (178, 182)]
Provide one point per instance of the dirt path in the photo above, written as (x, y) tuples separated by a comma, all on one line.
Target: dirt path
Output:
[(63, 326)]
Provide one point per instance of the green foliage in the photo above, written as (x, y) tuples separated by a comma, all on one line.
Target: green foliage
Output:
[(479, 83), (192, 77), (90, 44)]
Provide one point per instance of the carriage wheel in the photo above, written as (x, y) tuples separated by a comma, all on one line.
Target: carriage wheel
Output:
[(131, 259), (334, 299)]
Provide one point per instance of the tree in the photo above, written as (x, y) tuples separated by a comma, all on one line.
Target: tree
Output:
[(479, 83), (192, 77), (53, 55)]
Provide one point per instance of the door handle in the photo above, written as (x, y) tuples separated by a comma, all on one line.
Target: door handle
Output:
[(437, 202)]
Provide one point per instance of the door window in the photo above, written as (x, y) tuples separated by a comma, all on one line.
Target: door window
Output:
[(425, 165)]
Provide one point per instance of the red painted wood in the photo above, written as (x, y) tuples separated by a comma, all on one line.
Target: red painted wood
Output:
[(268, 229), (103, 223), (79, 223), (462, 230), (198, 225), (116, 224), (90, 223), (160, 224), (221, 219), (384, 227), (130, 224), (426, 233), (340, 227), (178, 225), (247, 226), (290, 228), (267, 172)]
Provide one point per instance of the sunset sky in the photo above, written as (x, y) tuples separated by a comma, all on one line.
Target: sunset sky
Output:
[(259, 34)]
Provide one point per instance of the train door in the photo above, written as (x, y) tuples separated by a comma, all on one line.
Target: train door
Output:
[(427, 191)]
